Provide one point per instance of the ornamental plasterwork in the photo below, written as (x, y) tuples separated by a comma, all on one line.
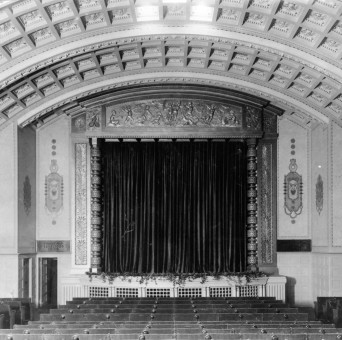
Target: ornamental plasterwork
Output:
[(42, 34), (60, 9), (285, 22), (22, 90), (331, 45), (229, 14), (176, 11), (176, 113), (290, 8), (87, 4), (121, 14), (70, 80), (94, 18), (338, 28), (266, 206), (318, 18), (256, 19), (16, 45), (307, 34), (281, 25), (331, 4), (6, 29), (32, 19), (265, 4), (80, 203), (31, 99), (306, 78), (231, 85), (66, 26)]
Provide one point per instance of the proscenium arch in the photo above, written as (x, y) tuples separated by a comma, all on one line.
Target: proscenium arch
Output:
[(261, 144)]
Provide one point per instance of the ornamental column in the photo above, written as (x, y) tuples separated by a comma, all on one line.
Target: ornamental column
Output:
[(252, 193), (96, 206)]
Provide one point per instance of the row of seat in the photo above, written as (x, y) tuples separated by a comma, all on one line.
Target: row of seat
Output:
[(173, 318)]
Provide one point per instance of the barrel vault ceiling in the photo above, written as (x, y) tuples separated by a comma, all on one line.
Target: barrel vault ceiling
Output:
[(56, 53)]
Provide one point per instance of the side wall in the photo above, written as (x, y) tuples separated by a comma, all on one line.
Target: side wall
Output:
[(54, 189), (295, 264), (8, 212), (312, 258)]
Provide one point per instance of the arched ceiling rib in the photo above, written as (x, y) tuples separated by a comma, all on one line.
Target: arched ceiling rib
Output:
[(56, 51)]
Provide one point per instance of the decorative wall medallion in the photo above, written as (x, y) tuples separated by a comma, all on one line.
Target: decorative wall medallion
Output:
[(173, 113), (53, 191), (293, 185), (27, 195), (319, 194), (80, 204)]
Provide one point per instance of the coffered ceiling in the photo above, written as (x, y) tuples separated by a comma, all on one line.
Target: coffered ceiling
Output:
[(55, 53)]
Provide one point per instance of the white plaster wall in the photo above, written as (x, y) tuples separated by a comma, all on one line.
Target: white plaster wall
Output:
[(58, 131), (9, 276), (296, 266), (336, 194), (297, 228), (327, 275), (8, 191)]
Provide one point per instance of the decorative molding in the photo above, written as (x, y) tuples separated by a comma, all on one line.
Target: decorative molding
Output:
[(319, 194), (27, 195), (80, 204)]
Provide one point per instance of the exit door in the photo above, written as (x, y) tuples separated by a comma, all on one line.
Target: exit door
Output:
[(48, 282)]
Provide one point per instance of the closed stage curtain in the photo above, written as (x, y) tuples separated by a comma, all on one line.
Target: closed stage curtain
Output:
[(174, 207)]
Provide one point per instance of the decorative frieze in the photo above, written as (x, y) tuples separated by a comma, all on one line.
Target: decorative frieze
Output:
[(175, 113)]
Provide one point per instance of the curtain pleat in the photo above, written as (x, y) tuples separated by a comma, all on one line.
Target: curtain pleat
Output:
[(174, 207)]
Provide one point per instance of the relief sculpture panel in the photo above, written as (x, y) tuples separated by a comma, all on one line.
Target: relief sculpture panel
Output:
[(173, 113)]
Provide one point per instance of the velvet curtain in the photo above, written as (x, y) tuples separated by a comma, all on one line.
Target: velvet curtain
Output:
[(174, 207)]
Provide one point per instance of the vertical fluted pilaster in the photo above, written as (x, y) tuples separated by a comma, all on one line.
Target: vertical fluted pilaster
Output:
[(252, 193), (96, 206)]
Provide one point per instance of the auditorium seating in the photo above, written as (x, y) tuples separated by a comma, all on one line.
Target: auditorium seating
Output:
[(15, 311), (173, 318)]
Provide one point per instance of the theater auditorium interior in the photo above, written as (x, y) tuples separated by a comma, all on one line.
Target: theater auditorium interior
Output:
[(170, 169)]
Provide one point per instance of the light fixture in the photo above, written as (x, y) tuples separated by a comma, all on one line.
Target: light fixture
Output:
[(147, 13), (201, 13)]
